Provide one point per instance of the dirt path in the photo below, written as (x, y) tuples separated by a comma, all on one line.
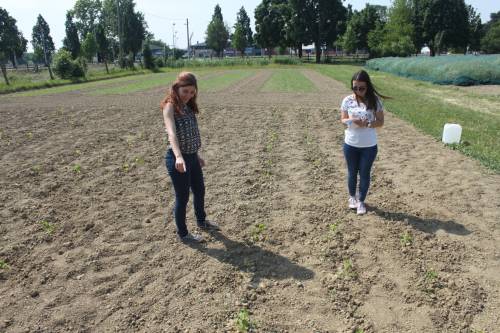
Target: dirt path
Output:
[(289, 250)]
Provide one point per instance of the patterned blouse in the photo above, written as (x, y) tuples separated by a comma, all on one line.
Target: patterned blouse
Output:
[(187, 131)]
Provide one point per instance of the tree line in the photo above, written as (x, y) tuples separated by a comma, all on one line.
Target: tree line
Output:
[(399, 30), (113, 30)]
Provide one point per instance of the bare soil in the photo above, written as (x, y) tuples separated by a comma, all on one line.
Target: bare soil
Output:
[(425, 258)]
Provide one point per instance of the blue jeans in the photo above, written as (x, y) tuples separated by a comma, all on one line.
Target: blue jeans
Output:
[(359, 160), (192, 180)]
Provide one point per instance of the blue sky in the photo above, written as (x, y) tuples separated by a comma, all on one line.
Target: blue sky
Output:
[(161, 15)]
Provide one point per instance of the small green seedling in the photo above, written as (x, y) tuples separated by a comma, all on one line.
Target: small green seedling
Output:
[(126, 167), (359, 330), (78, 152), (77, 168), (3, 264), (406, 239), (431, 275), (29, 135), (243, 322), (139, 161), (334, 227), (48, 227), (36, 169), (257, 231), (348, 269)]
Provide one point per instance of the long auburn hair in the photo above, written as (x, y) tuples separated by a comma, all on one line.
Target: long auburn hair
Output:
[(184, 79), (371, 93)]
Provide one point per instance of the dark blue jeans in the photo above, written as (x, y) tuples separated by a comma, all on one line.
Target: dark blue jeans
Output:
[(359, 160), (192, 180)]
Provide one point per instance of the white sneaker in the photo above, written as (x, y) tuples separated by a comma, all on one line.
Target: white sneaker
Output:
[(361, 208), (192, 238), (353, 203)]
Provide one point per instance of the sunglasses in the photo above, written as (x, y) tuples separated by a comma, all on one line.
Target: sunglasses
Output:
[(360, 89)]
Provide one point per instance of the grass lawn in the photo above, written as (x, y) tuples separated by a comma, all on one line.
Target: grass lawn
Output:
[(286, 80)]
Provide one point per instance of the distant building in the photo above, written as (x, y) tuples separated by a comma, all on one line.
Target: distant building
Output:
[(201, 50)]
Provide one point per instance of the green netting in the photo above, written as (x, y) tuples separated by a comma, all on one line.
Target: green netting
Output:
[(460, 70)]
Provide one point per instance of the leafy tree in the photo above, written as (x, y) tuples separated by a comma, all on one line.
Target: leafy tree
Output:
[(42, 41), (328, 23), (360, 25), (103, 45), (87, 13), (71, 42), (134, 28), (67, 68), (298, 31), (19, 49), (89, 46), (491, 41), (129, 27), (418, 10), (239, 41), (243, 35), (475, 29), (148, 57), (270, 23), (12, 41), (445, 25), (217, 32), (395, 37)]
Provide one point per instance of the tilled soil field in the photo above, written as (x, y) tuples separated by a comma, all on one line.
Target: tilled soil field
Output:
[(88, 242)]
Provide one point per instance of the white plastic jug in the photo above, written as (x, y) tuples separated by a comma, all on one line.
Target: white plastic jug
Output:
[(452, 133)]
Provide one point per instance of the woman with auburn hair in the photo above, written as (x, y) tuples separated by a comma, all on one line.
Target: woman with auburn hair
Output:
[(362, 112), (184, 165)]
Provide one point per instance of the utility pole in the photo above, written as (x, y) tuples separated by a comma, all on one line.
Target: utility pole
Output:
[(188, 46), (173, 41)]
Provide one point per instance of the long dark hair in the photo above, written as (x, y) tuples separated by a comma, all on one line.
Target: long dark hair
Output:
[(184, 79), (371, 93)]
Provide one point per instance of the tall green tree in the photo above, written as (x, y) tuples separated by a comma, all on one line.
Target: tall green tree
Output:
[(87, 14), (270, 23), (302, 13), (134, 28), (242, 36), (42, 41), (89, 46), (19, 49), (490, 43), (360, 25), (446, 25), (395, 37), (217, 33), (475, 29), (103, 45), (71, 42), (148, 56), (123, 24), (11, 41), (328, 25)]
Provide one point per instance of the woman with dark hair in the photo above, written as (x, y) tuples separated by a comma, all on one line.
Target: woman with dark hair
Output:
[(184, 165), (362, 112)]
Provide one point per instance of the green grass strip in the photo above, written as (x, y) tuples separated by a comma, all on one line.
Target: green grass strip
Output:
[(411, 102), (143, 83), (226, 79), (290, 80)]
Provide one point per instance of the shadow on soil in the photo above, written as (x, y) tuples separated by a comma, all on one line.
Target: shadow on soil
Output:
[(253, 259), (425, 225)]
